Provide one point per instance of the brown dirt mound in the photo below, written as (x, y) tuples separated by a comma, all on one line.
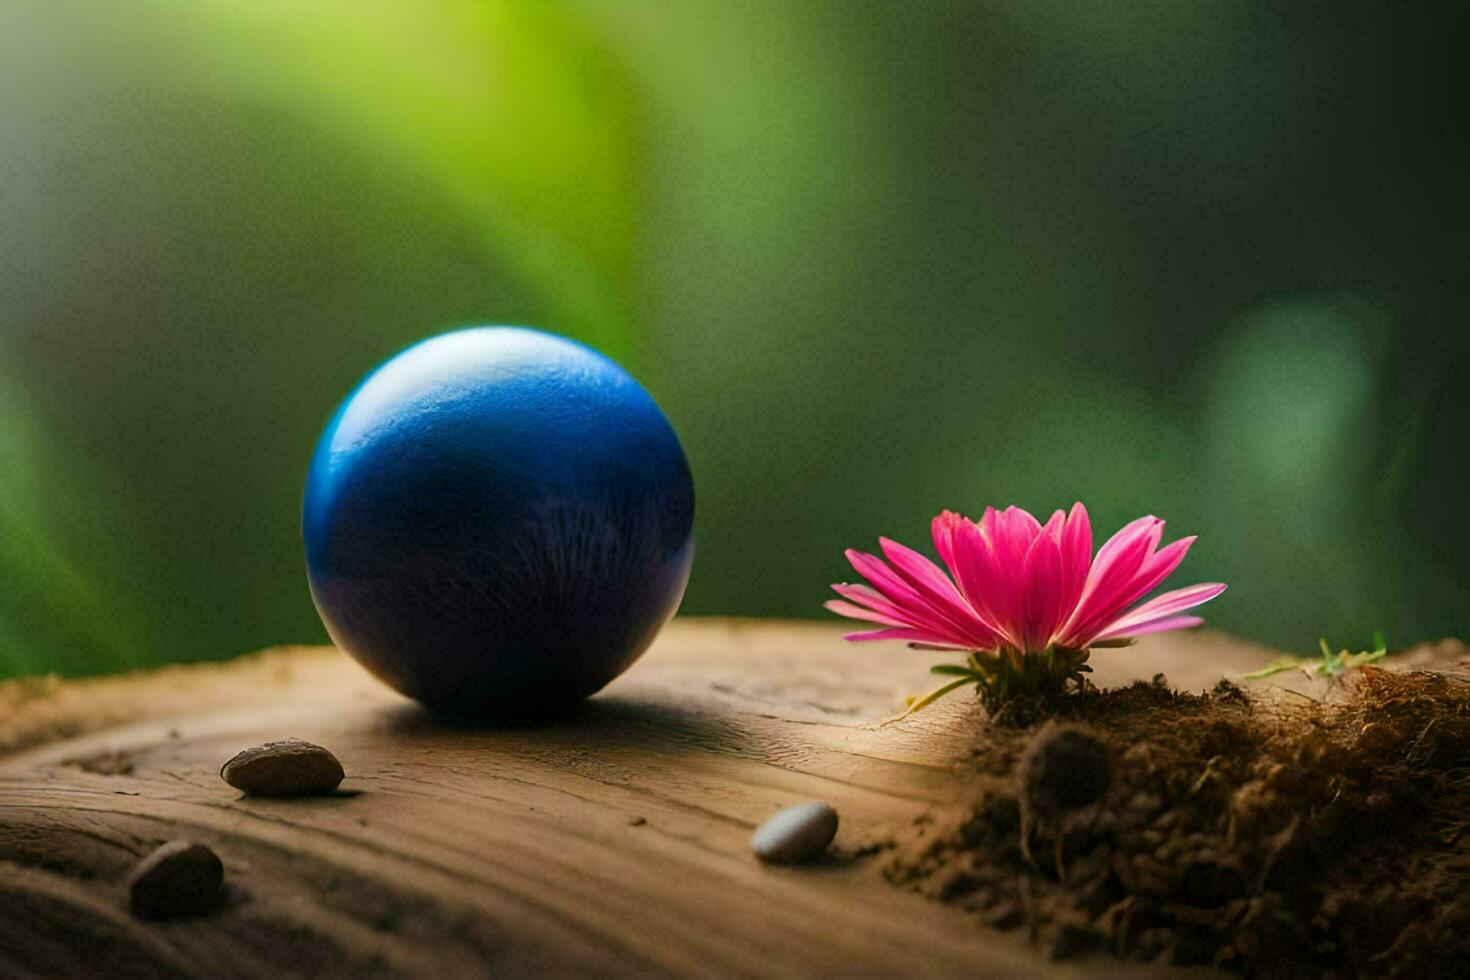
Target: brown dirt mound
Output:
[(1265, 833)]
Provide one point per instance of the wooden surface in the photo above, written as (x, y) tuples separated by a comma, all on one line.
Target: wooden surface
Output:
[(612, 841)]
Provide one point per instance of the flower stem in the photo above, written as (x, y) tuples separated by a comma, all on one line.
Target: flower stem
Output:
[(1013, 684), (1040, 677)]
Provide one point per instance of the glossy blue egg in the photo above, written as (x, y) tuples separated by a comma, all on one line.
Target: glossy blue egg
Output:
[(498, 520)]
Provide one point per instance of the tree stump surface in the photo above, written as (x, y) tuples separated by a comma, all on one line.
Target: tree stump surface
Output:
[(611, 841)]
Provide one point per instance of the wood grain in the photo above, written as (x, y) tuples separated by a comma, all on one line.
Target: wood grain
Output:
[(611, 841)]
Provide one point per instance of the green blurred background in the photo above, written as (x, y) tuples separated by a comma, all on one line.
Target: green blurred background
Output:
[(873, 259)]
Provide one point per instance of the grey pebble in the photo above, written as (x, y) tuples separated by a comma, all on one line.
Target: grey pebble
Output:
[(289, 767), (179, 878), (797, 833)]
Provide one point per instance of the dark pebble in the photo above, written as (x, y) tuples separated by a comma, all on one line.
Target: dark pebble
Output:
[(179, 878), (1064, 768), (289, 767)]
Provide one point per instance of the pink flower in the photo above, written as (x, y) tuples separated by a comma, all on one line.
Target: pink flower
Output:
[(1017, 587)]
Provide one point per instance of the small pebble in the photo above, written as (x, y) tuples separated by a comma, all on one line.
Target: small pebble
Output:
[(180, 878), (289, 767), (797, 833)]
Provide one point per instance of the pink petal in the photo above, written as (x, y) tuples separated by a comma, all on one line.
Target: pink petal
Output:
[(1157, 567), (911, 635), (1053, 527), (1041, 591), (940, 594), (987, 523), (1076, 547), (1015, 529), (866, 596), (893, 588), (974, 567), (1126, 540), (1107, 604), (1153, 626), (909, 605), (943, 529), (858, 612), (1166, 605), (1106, 589), (1006, 537), (912, 607), (961, 547), (1022, 521), (921, 573)]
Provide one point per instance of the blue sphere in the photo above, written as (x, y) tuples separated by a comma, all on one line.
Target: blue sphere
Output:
[(498, 520)]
